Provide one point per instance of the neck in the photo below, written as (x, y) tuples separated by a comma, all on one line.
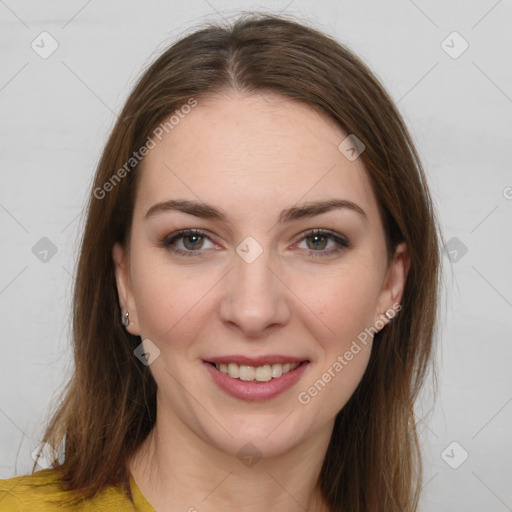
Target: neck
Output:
[(177, 470)]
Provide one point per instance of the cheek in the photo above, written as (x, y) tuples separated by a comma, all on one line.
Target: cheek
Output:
[(171, 300), (343, 315), (342, 302), (160, 295)]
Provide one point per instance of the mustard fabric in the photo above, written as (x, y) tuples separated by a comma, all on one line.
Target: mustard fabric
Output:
[(41, 492)]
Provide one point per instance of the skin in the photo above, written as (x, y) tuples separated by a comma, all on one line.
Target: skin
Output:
[(251, 156)]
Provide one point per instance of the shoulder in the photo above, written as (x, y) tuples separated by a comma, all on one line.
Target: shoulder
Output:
[(42, 491), (21, 492)]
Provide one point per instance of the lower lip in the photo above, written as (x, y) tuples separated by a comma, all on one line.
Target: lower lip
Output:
[(254, 390)]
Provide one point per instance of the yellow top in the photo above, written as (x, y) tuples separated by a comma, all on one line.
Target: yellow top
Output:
[(41, 492)]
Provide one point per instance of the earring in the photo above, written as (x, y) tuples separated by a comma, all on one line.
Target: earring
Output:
[(125, 319), (389, 315)]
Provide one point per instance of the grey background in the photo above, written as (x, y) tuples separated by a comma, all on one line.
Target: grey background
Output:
[(57, 113)]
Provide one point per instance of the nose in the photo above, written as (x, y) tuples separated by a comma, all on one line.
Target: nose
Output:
[(255, 300)]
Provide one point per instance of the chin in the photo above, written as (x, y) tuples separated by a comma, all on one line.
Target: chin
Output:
[(269, 436)]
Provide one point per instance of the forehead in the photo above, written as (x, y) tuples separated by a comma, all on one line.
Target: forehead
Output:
[(252, 153)]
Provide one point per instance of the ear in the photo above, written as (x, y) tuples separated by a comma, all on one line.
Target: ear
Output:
[(124, 288), (394, 284)]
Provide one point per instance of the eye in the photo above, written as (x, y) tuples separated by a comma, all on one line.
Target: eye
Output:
[(320, 239), (188, 242)]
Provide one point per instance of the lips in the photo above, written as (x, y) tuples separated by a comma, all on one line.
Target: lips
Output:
[(256, 378)]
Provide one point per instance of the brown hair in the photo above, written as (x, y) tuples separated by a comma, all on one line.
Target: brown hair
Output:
[(109, 407)]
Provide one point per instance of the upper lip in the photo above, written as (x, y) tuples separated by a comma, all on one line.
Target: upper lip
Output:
[(255, 361)]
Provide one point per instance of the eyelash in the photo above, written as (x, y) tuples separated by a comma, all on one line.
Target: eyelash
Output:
[(342, 242)]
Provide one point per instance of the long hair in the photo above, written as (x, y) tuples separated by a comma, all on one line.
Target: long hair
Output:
[(108, 408)]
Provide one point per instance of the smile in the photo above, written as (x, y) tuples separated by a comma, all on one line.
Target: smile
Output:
[(263, 381)]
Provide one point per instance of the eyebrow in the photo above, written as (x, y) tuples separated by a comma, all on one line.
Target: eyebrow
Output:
[(207, 211)]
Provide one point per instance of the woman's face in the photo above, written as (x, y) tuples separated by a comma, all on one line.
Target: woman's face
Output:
[(256, 287)]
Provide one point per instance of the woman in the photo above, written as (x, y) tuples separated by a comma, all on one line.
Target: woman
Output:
[(256, 292)]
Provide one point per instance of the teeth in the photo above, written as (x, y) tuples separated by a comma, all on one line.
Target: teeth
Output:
[(233, 370), (264, 373), (261, 373), (246, 372), (277, 370)]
